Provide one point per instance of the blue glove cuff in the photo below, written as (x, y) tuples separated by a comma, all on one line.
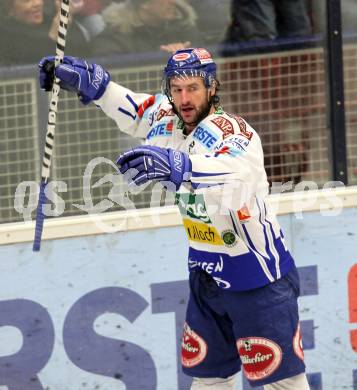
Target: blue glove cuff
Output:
[(96, 86)]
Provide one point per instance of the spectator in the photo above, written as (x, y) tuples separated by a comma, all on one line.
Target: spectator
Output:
[(278, 84), (147, 25), (258, 20), (27, 32), (213, 18), (89, 15), (78, 36)]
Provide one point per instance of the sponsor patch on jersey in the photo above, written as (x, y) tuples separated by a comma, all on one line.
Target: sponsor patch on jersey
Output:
[(162, 112), (193, 206), (233, 146), (170, 126), (229, 151), (229, 238), (160, 130), (243, 214), (200, 232), (297, 343), (209, 267), (260, 357), (193, 347), (236, 141), (205, 137), (203, 55), (242, 126), (224, 125)]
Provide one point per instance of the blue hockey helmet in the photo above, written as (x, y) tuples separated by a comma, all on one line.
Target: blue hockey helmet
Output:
[(191, 62)]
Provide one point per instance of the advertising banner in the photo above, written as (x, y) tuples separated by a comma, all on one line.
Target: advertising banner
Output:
[(106, 311)]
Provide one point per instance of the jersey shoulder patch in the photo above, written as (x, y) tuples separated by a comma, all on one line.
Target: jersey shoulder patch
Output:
[(206, 135), (161, 129), (224, 124), (242, 126), (236, 134), (230, 124)]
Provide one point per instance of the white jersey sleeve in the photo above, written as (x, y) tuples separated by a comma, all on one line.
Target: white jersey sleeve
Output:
[(130, 110)]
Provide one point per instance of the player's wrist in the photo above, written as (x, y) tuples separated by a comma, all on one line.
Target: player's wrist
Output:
[(96, 86)]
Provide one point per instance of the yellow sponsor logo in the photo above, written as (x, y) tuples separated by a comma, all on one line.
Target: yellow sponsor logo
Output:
[(201, 232)]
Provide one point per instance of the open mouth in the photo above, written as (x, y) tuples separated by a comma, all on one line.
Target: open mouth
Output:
[(187, 110)]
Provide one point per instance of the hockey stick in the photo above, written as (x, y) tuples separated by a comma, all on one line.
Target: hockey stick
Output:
[(51, 124)]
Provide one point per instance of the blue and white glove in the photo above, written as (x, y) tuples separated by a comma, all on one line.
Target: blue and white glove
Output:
[(154, 163), (75, 74)]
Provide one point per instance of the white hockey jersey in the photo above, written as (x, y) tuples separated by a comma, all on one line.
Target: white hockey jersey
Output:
[(232, 234)]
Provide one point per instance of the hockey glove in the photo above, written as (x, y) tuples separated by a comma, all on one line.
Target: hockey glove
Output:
[(75, 74), (154, 163)]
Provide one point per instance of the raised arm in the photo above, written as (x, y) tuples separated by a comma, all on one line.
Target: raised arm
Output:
[(92, 83)]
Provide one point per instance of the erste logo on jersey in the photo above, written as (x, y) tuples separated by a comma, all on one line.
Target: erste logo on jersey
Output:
[(193, 347), (162, 129), (260, 357), (205, 137)]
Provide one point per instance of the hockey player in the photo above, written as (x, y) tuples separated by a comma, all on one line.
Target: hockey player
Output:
[(242, 309)]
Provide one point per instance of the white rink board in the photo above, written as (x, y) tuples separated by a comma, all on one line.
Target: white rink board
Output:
[(98, 311)]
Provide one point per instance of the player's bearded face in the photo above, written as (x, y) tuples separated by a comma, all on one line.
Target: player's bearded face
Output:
[(190, 98)]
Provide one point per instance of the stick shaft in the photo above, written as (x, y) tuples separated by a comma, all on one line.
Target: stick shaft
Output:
[(51, 124), (53, 107)]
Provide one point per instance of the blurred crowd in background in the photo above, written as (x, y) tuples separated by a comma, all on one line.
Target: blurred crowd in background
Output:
[(281, 90), (108, 27)]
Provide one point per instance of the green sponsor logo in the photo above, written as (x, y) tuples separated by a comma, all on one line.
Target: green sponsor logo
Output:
[(229, 238), (193, 206), (219, 110)]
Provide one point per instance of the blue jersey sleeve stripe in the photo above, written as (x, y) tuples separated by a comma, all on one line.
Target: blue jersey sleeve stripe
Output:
[(273, 239), (124, 111), (136, 107), (202, 174), (196, 186), (268, 242), (260, 258)]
